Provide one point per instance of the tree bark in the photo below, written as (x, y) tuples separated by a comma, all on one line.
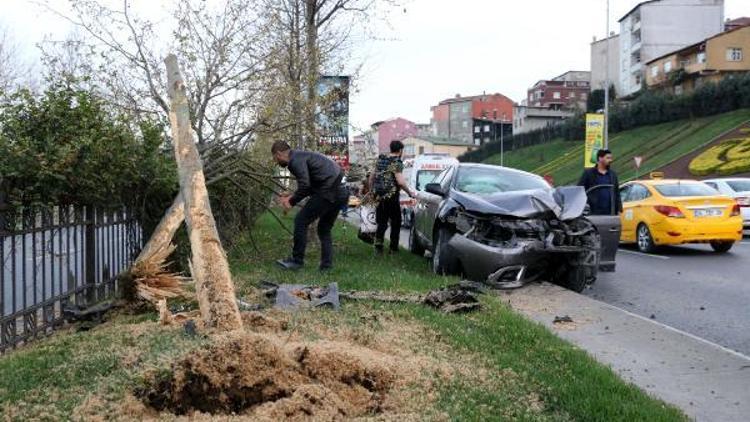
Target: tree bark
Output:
[(165, 230), (213, 280)]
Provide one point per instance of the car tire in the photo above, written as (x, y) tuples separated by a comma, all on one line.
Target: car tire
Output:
[(643, 239), (576, 279), (721, 246), (415, 246), (443, 262), (581, 272)]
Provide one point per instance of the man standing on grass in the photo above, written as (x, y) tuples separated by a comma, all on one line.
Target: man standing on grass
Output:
[(386, 183), (604, 200), (319, 178)]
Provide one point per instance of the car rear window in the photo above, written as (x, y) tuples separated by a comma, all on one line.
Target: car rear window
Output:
[(685, 189), (489, 180), (739, 185)]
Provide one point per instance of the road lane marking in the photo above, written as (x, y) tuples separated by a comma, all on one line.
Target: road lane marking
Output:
[(643, 254), (677, 330)]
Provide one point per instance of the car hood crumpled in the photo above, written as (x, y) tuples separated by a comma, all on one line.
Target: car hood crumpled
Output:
[(567, 202)]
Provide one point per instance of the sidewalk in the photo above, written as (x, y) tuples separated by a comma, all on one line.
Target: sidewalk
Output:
[(707, 381)]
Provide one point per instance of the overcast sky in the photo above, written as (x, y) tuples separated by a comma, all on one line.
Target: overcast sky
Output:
[(436, 48)]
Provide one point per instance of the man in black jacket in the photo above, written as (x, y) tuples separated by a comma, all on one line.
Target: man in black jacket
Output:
[(604, 200), (319, 178)]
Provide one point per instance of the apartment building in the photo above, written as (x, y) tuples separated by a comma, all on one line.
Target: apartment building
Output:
[(654, 28)]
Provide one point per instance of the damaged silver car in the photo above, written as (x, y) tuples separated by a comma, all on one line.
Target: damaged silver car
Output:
[(507, 227)]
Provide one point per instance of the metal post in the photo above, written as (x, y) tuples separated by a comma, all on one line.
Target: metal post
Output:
[(606, 85), (502, 146)]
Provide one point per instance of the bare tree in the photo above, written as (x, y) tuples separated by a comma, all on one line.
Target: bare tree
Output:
[(10, 65)]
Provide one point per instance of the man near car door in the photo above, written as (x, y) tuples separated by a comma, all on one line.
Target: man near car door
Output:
[(319, 179), (386, 183), (604, 200)]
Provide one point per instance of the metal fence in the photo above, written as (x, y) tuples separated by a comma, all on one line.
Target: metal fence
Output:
[(53, 257)]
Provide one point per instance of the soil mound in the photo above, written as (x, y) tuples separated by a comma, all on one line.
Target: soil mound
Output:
[(255, 375)]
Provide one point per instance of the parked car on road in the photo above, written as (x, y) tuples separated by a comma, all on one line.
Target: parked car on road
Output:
[(676, 212), (507, 227), (737, 188)]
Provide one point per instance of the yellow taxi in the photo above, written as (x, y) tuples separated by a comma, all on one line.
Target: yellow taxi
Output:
[(675, 212)]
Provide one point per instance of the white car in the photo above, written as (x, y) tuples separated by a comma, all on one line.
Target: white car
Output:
[(737, 188)]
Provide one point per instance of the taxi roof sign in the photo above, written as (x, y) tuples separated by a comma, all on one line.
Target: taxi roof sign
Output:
[(657, 175)]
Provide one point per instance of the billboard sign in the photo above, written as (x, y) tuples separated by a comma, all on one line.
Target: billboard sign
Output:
[(594, 138), (333, 118)]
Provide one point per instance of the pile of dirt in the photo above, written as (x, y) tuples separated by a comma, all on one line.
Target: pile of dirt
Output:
[(258, 376)]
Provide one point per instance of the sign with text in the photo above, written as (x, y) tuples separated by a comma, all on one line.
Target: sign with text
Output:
[(594, 138)]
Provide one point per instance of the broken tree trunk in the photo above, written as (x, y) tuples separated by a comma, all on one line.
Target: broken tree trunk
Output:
[(162, 237), (213, 280)]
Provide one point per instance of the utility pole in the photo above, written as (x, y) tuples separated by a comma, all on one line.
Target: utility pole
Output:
[(606, 85)]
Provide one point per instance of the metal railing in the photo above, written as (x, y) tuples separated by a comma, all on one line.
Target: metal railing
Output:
[(53, 257)]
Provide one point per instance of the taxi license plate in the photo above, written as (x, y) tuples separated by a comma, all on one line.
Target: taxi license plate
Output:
[(707, 212)]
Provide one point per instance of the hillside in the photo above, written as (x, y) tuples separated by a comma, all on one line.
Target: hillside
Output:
[(659, 145)]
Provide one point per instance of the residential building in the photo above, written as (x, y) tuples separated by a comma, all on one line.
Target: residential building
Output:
[(654, 28), (488, 130), (393, 129), (363, 149), (528, 118), (731, 24), (454, 118), (567, 91), (600, 60), (415, 146), (712, 59)]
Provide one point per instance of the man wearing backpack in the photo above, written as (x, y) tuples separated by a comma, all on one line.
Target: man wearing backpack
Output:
[(386, 183)]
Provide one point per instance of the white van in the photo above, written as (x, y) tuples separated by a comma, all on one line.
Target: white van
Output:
[(419, 172)]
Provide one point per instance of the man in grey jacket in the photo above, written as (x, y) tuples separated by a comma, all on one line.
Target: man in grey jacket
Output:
[(319, 179)]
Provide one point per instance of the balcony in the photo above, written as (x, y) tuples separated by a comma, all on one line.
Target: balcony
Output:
[(636, 25), (695, 68)]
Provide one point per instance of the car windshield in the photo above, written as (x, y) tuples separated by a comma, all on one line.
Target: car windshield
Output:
[(426, 176), (489, 180), (739, 185), (685, 189)]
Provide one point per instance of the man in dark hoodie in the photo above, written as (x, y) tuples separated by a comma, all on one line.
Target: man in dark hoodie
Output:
[(603, 200), (319, 178)]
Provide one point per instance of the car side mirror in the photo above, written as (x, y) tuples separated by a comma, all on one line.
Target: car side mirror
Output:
[(434, 188)]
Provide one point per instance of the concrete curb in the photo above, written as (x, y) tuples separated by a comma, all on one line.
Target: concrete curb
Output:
[(707, 381)]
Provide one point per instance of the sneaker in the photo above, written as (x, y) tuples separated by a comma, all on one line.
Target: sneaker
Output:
[(289, 264)]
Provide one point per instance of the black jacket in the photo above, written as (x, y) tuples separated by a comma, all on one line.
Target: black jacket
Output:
[(588, 180), (316, 174)]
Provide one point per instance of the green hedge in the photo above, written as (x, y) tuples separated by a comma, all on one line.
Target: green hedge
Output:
[(649, 108)]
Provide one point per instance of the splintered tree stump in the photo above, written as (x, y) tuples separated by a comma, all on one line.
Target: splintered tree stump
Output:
[(213, 280)]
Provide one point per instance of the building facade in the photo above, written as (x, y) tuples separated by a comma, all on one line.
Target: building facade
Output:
[(394, 129), (455, 118), (528, 118), (599, 63), (567, 91), (415, 146), (710, 60), (654, 28)]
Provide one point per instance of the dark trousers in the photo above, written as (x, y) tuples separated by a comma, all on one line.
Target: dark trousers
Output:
[(388, 210), (325, 211)]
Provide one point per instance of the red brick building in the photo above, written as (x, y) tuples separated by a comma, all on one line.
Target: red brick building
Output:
[(457, 118), (567, 91)]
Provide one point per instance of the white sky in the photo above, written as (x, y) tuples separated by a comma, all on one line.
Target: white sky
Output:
[(437, 48)]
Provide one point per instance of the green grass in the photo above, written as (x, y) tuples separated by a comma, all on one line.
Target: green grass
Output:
[(658, 145), (528, 373)]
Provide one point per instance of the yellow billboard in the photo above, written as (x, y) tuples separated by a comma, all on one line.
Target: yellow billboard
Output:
[(594, 138)]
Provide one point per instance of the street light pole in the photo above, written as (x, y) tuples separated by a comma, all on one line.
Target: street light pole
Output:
[(502, 145), (606, 85)]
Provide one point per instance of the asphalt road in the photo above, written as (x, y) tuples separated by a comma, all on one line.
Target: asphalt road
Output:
[(688, 287)]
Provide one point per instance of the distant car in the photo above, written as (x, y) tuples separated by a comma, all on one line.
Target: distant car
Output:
[(508, 227), (737, 188), (676, 212)]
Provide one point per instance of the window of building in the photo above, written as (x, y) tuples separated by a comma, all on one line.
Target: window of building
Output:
[(464, 124), (476, 129), (572, 94), (583, 96), (486, 128), (486, 140), (477, 141), (667, 67), (421, 150), (702, 57), (734, 54), (466, 108), (556, 95), (654, 71)]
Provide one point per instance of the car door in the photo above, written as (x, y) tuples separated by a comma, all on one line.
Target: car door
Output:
[(626, 219), (633, 209), (423, 217), (432, 203), (609, 229)]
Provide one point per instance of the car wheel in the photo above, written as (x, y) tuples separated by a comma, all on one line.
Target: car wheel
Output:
[(415, 246), (721, 246), (582, 270), (576, 279), (443, 263), (644, 240)]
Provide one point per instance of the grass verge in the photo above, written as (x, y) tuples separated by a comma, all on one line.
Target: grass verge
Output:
[(503, 366)]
